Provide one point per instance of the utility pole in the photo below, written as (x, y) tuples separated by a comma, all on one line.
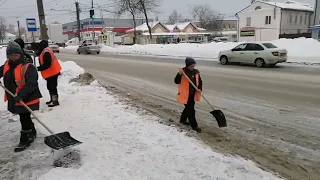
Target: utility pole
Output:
[(19, 28), (78, 20), (92, 21), (42, 20)]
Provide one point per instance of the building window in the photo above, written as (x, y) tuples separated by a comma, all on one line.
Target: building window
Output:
[(290, 19), (301, 19), (296, 19), (306, 19), (268, 20), (248, 21)]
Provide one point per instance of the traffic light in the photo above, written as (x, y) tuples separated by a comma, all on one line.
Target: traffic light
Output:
[(92, 16)]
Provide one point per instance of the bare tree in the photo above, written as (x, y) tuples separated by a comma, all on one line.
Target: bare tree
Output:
[(207, 18), (146, 6), (3, 28), (175, 17), (131, 7), (11, 29), (23, 30)]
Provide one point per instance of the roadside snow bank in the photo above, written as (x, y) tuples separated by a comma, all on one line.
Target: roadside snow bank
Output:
[(300, 50), (119, 142)]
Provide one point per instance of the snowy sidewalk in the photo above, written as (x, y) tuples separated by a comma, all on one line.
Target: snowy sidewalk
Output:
[(210, 51), (119, 142)]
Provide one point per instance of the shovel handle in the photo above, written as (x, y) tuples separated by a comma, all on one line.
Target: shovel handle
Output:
[(197, 89), (30, 110)]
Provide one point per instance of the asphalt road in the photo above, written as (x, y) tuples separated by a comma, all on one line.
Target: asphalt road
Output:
[(273, 113)]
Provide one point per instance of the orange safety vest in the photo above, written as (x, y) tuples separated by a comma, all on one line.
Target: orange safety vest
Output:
[(183, 90), (55, 67), (20, 79)]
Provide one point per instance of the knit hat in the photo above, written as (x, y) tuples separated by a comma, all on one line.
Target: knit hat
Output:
[(13, 48), (20, 42), (190, 61)]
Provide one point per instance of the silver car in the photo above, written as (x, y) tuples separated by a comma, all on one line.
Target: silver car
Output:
[(54, 47), (260, 54), (88, 49)]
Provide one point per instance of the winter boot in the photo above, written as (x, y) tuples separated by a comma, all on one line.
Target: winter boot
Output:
[(54, 102), (34, 133), (26, 139), (197, 129), (49, 102), (184, 122)]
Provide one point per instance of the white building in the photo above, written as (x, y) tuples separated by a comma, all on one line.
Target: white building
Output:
[(265, 21)]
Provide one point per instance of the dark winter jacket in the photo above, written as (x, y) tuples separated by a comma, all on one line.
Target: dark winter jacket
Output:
[(191, 75), (31, 89)]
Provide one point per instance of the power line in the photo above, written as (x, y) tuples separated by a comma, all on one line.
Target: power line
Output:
[(4, 1)]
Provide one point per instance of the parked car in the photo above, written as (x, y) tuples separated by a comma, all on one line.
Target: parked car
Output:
[(260, 54), (54, 47), (88, 49)]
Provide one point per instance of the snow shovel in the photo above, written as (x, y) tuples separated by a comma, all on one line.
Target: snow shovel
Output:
[(55, 141), (217, 114)]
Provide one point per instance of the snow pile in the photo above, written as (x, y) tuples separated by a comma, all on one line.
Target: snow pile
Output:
[(119, 142), (210, 51)]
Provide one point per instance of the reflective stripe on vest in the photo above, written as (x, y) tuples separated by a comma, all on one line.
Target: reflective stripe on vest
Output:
[(183, 90), (19, 75), (55, 66)]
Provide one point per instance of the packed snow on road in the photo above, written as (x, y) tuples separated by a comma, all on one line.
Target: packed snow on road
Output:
[(210, 51), (119, 141)]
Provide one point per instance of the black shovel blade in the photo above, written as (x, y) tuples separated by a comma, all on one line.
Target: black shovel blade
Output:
[(221, 119), (60, 141)]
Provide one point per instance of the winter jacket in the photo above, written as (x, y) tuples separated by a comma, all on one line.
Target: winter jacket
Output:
[(29, 92), (191, 75)]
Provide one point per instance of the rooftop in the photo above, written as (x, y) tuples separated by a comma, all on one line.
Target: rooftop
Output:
[(289, 4)]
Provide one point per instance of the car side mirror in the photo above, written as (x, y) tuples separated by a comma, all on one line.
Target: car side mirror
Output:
[(232, 49)]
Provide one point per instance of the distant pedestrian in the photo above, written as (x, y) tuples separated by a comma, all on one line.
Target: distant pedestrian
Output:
[(187, 94), (21, 78), (22, 45), (50, 70)]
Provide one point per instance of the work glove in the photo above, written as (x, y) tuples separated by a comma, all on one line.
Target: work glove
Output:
[(17, 99)]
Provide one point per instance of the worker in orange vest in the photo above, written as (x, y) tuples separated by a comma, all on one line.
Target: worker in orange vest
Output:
[(21, 78), (187, 94), (50, 70)]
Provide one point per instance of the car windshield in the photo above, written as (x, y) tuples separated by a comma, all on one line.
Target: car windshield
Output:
[(269, 45)]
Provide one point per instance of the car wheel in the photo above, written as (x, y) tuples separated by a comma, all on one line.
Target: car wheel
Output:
[(98, 52), (259, 63), (78, 52), (224, 60), (86, 52)]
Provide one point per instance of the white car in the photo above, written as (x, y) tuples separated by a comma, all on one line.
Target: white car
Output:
[(54, 47), (260, 54)]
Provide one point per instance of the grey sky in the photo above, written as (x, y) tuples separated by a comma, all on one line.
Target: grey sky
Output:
[(21, 9)]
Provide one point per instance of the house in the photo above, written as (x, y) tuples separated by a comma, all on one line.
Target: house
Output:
[(264, 21), (168, 33)]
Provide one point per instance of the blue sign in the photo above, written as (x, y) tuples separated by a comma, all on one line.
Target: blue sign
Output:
[(31, 25)]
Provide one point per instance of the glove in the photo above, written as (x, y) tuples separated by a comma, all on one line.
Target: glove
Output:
[(17, 99)]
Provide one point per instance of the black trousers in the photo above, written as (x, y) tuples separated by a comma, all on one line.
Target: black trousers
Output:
[(52, 83), (26, 121), (189, 112)]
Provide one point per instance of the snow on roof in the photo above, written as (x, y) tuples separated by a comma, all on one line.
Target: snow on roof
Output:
[(183, 25), (143, 27), (289, 4), (170, 26), (176, 34)]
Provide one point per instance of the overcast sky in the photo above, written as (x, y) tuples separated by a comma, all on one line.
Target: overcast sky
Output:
[(21, 9)]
